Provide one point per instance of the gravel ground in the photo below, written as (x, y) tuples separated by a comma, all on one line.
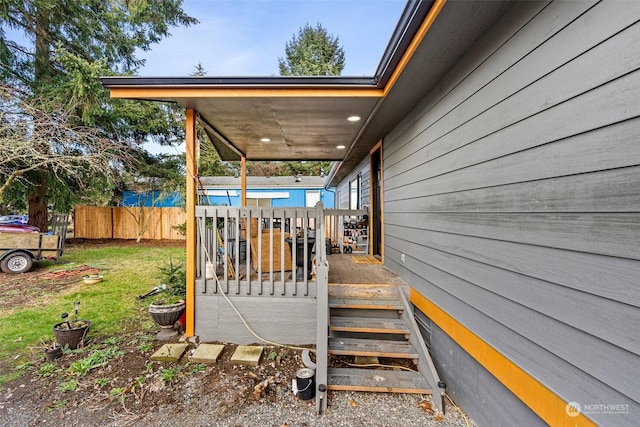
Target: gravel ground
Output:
[(346, 409)]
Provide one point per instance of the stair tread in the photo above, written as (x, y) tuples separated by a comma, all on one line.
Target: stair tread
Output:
[(377, 380), (372, 304), (368, 347), (368, 324)]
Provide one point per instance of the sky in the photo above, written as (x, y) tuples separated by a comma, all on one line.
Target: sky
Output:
[(246, 37)]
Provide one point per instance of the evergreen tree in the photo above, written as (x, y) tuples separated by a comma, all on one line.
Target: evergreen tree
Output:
[(67, 45), (313, 52)]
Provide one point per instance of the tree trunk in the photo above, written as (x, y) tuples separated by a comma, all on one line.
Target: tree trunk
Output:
[(38, 212)]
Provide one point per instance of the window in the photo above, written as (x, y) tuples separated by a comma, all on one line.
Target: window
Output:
[(313, 197), (263, 203), (354, 193)]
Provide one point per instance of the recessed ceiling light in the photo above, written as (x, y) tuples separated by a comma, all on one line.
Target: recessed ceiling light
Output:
[(353, 118), (265, 140), (341, 147)]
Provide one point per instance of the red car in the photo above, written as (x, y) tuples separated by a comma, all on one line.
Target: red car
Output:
[(18, 228)]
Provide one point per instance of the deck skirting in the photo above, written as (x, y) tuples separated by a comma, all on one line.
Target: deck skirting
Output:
[(282, 319)]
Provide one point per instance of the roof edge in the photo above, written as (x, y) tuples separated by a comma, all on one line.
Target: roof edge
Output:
[(412, 17), (231, 82)]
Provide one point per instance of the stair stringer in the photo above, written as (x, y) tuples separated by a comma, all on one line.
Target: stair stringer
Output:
[(426, 367)]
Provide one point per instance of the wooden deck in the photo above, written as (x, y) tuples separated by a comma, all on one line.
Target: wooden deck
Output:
[(343, 270)]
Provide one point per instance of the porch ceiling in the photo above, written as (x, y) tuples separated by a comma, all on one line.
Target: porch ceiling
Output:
[(297, 127), (305, 118)]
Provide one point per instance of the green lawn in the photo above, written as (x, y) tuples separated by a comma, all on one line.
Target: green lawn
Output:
[(110, 305)]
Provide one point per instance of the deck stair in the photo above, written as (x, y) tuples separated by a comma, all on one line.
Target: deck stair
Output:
[(375, 321)]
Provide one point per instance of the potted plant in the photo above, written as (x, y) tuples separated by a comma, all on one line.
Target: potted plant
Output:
[(52, 350), (71, 333), (167, 299)]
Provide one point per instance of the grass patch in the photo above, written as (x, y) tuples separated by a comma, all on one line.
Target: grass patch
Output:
[(110, 305)]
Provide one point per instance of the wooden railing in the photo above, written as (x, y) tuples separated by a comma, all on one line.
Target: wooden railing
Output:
[(256, 251)]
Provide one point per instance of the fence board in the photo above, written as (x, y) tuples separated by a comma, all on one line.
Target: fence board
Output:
[(97, 222), (172, 217), (93, 222)]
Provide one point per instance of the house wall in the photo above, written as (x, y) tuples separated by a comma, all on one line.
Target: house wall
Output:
[(151, 199), (297, 197), (342, 190), (512, 191)]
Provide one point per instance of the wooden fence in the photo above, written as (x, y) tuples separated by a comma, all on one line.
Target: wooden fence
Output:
[(97, 222)]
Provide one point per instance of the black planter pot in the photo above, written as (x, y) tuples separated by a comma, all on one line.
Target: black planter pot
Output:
[(166, 316), (71, 336), (52, 353)]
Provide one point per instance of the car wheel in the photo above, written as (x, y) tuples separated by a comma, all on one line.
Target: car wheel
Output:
[(15, 263)]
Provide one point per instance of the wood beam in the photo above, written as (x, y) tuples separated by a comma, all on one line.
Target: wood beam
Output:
[(243, 179), (192, 172)]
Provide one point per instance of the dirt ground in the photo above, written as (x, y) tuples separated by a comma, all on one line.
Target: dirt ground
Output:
[(131, 386)]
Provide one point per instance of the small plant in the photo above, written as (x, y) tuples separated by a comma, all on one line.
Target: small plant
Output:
[(96, 358), (70, 385), (116, 391), (145, 347), (57, 405), (25, 365), (173, 288), (197, 368), (113, 341), (169, 374), (101, 382), (46, 370)]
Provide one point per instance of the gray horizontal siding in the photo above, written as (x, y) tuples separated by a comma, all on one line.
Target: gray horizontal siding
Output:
[(343, 187), (513, 190)]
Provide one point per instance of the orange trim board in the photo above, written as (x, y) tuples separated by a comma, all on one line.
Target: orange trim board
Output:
[(546, 404), (417, 39)]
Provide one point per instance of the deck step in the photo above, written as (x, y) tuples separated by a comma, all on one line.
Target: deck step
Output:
[(368, 325), (367, 347), (377, 380), (365, 304)]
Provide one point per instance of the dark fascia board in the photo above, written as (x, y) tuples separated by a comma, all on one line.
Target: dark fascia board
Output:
[(412, 17), (249, 82)]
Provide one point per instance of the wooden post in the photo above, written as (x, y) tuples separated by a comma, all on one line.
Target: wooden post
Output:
[(322, 315), (192, 172), (243, 179)]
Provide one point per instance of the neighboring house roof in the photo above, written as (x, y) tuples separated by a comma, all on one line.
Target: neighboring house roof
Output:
[(306, 117), (313, 182)]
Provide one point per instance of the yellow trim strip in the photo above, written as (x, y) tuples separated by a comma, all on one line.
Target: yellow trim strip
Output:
[(150, 93), (546, 404), (417, 39)]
